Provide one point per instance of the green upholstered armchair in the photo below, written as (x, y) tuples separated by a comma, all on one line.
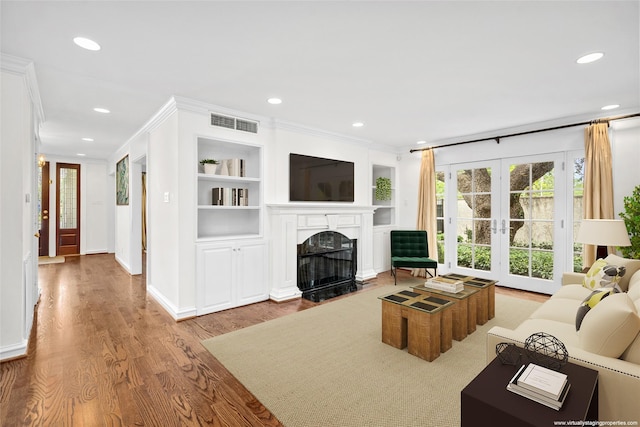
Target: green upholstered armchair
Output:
[(409, 248)]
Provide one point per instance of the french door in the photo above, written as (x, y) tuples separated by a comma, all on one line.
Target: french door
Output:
[(508, 221)]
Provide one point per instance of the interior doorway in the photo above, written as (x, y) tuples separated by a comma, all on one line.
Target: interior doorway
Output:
[(68, 209), (44, 181)]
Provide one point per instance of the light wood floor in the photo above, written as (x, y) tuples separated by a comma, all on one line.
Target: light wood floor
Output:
[(103, 352)]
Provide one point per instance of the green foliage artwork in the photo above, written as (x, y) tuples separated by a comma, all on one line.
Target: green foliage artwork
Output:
[(631, 217), (122, 181), (383, 188)]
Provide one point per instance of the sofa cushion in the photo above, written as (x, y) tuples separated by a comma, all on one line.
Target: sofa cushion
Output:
[(610, 327), (558, 309), (634, 288), (632, 353), (590, 302), (594, 275), (631, 265), (577, 292), (565, 332)]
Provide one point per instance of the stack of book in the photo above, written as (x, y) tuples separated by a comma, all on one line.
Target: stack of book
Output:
[(230, 196), (540, 384), (444, 284)]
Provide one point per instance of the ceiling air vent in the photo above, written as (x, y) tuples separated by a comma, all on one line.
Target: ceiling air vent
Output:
[(246, 126), (234, 123), (223, 121)]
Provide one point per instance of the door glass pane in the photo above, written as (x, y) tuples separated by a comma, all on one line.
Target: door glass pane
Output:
[(440, 198), (68, 202), (39, 198), (531, 210), (473, 218)]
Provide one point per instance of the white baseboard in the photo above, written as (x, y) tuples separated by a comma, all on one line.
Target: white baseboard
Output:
[(123, 264), (13, 351), (175, 312)]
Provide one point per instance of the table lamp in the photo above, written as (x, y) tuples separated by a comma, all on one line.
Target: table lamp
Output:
[(603, 233)]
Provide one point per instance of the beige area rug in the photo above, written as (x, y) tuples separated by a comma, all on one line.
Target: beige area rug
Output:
[(43, 260), (327, 366)]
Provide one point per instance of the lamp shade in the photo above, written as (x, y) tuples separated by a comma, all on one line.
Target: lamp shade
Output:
[(603, 232)]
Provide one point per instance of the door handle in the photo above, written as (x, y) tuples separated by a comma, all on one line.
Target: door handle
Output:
[(46, 212), (37, 235), (45, 217), (494, 227), (504, 226)]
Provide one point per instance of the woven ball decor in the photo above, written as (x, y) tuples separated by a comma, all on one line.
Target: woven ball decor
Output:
[(546, 350), (508, 353)]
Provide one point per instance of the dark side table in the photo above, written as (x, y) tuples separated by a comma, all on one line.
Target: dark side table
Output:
[(486, 400)]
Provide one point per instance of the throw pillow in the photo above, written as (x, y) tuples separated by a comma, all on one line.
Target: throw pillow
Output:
[(594, 275), (590, 302), (610, 327)]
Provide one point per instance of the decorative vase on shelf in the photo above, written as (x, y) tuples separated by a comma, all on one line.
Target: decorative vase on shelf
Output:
[(224, 169), (210, 168)]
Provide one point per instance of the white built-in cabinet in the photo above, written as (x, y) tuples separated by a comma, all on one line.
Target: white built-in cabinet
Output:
[(231, 274), (384, 218), (231, 253)]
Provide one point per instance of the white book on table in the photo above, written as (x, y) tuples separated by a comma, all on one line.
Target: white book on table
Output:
[(537, 397), (544, 381)]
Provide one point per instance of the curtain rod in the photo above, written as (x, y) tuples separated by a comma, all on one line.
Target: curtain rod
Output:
[(497, 138)]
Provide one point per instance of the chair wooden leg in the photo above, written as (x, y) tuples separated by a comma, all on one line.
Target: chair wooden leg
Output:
[(394, 273)]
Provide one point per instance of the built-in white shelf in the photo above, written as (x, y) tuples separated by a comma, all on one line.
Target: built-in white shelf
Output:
[(385, 213)]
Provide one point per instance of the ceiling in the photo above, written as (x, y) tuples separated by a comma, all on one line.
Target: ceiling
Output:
[(410, 71)]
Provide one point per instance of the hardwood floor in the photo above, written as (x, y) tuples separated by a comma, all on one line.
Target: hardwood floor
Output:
[(103, 352)]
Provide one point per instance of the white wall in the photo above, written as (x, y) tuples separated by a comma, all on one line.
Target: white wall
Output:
[(286, 141), (625, 149), (128, 218), (163, 221), (17, 243), (95, 204)]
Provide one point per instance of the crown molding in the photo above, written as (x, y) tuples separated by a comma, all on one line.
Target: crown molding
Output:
[(25, 68)]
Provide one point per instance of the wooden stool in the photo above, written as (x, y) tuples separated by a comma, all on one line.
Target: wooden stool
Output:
[(422, 323)]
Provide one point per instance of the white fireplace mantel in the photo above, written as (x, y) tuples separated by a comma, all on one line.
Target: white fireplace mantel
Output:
[(293, 223)]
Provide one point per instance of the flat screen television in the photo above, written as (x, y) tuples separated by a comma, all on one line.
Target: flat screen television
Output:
[(315, 179)]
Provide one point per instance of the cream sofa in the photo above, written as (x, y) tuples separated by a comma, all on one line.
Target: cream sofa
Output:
[(608, 340)]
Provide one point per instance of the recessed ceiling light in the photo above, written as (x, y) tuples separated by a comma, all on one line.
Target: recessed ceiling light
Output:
[(421, 142), (358, 124), (88, 139), (86, 43), (81, 154), (590, 58), (274, 101), (610, 107), (101, 110)]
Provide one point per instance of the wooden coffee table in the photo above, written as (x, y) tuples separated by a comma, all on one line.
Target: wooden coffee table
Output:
[(420, 322), (486, 309), (463, 313)]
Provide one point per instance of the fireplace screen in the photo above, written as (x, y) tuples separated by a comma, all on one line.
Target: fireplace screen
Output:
[(326, 266)]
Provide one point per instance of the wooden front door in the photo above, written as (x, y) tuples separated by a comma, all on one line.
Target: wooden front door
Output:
[(43, 214), (68, 215)]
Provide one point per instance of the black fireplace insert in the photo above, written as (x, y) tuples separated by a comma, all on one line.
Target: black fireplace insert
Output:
[(327, 266)]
